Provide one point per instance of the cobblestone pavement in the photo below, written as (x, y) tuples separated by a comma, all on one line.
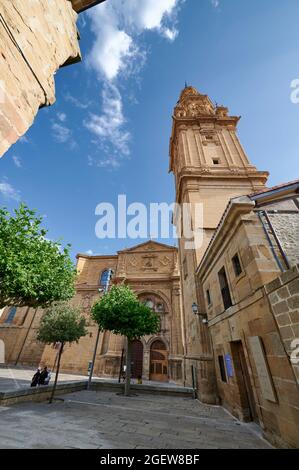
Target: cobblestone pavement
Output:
[(90, 419)]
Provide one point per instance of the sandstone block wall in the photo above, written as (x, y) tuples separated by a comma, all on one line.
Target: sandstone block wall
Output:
[(286, 227), (284, 301), (37, 37)]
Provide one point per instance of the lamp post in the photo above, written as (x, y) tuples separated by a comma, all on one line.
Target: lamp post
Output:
[(105, 290), (195, 311)]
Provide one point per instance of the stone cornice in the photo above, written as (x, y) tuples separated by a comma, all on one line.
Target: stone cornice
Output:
[(81, 5), (191, 176)]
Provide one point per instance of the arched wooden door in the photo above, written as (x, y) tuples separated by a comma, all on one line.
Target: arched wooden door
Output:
[(159, 362), (137, 359)]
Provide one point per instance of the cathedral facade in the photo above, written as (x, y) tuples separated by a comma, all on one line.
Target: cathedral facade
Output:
[(151, 269)]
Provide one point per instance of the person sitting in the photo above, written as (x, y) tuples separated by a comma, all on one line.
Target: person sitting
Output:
[(35, 378), (47, 379), (43, 376)]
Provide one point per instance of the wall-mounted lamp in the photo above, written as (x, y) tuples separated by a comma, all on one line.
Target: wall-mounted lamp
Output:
[(195, 311), (195, 308)]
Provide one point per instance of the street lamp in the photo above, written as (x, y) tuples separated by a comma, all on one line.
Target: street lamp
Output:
[(195, 308), (195, 311), (101, 291)]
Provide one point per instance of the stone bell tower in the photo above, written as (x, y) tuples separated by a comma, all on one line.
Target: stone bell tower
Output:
[(210, 167)]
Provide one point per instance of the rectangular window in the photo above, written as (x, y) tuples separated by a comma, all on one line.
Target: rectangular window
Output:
[(185, 269), (11, 315), (237, 265), (225, 292), (216, 161), (222, 368), (209, 297)]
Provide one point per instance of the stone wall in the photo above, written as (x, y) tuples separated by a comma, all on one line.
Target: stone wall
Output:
[(253, 318), (37, 37), (286, 226), (284, 300), (264, 313)]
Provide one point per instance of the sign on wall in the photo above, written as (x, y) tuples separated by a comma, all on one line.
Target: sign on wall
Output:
[(229, 365), (2, 352), (262, 368)]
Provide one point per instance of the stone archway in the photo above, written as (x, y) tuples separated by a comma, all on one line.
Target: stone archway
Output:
[(158, 361)]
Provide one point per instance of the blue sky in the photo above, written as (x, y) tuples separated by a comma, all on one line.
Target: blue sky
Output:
[(108, 133)]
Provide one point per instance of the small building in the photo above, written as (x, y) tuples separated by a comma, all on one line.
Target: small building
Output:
[(249, 282)]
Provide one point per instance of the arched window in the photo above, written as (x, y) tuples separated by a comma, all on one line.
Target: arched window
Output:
[(11, 315), (104, 278)]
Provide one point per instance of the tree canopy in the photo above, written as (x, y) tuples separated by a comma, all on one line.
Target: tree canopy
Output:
[(120, 312), (34, 271), (62, 323)]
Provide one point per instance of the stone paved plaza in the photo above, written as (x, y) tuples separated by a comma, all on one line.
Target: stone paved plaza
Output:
[(105, 420)]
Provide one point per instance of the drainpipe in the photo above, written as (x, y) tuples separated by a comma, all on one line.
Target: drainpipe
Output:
[(270, 241)]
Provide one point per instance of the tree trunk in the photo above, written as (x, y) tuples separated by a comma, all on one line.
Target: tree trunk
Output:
[(57, 372), (128, 367)]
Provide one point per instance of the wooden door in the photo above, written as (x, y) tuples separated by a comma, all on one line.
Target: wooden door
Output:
[(137, 359), (159, 362), (244, 383)]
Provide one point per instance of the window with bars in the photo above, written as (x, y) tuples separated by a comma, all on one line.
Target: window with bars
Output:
[(237, 265), (224, 287), (222, 368), (104, 278), (208, 293)]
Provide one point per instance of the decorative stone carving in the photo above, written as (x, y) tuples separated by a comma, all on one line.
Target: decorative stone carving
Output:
[(165, 261), (133, 261), (148, 263), (192, 104), (222, 111)]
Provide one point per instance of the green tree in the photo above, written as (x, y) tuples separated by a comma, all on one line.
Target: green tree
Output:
[(120, 312), (62, 323), (34, 271)]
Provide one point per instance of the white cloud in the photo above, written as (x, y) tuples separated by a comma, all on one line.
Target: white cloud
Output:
[(215, 3), (24, 140), (117, 51), (17, 161), (61, 134), (79, 104), (61, 117), (117, 25), (109, 126), (8, 191), (89, 252)]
